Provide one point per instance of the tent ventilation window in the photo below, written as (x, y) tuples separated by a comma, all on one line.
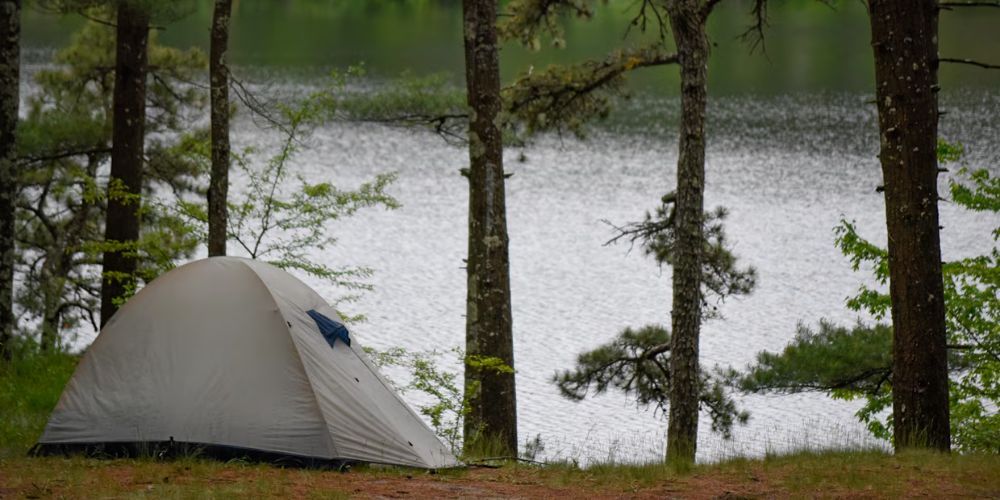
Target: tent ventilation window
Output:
[(331, 329)]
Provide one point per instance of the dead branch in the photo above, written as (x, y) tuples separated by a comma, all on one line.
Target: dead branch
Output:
[(970, 62), (951, 5), (642, 17), (257, 107)]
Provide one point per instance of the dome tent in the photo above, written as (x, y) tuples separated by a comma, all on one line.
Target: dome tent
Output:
[(236, 357)]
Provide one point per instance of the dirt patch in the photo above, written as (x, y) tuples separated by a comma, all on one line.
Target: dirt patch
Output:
[(831, 476)]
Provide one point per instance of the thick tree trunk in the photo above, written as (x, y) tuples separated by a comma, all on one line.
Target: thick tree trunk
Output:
[(688, 26), (904, 40), (125, 183), (218, 188), (10, 53), (493, 411)]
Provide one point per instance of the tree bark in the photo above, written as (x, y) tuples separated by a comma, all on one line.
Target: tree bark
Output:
[(492, 416), (904, 41), (10, 53), (121, 231), (218, 188), (688, 27), (52, 295)]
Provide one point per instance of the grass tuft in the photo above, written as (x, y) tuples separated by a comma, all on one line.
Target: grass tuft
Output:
[(30, 386)]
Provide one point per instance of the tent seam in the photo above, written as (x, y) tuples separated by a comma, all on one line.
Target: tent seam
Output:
[(381, 379), (298, 357)]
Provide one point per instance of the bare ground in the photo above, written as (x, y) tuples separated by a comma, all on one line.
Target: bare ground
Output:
[(860, 475)]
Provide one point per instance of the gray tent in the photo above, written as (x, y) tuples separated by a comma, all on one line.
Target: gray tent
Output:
[(236, 356)]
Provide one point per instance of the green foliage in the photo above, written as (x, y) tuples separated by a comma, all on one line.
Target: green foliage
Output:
[(972, 299), (627, 363), (857, 363), (558, 98), (527, 20), (949, 152), (847, 363), (487, 363), (159, 11), (447, 403), (408, 100), (972, 309), (636, 363), (30, 385), (721, 275), (981, 196), (568, 97), (832, 357), (283, 226), (64, 147)]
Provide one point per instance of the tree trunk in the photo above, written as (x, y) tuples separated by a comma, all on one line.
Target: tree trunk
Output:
[(493, 411), (688, 26), (10, 36), (55, 276), (904, 41), (125, 184), (52, 291), (218, 187)]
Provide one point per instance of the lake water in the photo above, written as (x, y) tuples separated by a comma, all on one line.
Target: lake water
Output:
[(789, 168), (788, 155)]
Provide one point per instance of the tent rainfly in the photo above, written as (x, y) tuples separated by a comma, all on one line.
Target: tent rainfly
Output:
[(234, 357)]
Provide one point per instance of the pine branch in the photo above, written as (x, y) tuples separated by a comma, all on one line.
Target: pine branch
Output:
[(567, 97), (254, 104), (525, 19), (951, 5), (654, 351), (166, 86), (560, 97), (599, 75), (641, 18), (754, 34), (646, 230), (970, 62), (449, 126), (93, 19), (41, 216), (29, 159)]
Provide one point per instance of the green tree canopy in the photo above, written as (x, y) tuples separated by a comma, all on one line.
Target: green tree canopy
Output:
[(857, 362), (64, 146)]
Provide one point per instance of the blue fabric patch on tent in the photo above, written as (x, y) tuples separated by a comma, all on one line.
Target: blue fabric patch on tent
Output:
[(331, 330)]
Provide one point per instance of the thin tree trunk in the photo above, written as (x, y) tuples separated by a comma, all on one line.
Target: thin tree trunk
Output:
[(55, 275), (493, 410), (125, 183), (52, 295), (688, 26), (218, 188), (10, 36), (904, 41)]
